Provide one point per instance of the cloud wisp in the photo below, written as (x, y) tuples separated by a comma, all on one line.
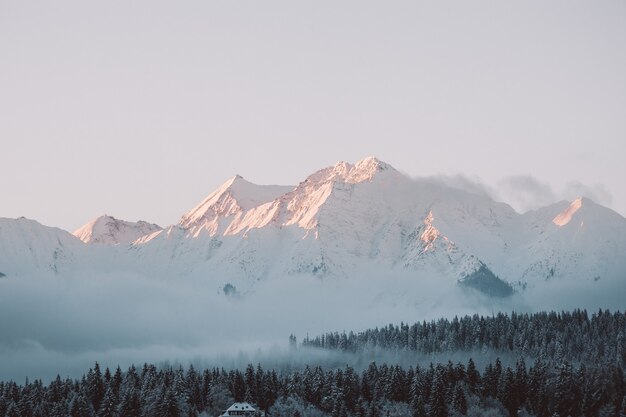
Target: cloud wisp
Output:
[(525, 192)]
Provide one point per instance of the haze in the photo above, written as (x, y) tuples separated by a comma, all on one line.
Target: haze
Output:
[(62, 324), (140, 109)]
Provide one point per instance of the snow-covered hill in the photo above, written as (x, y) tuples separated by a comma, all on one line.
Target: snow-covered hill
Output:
[(27, 246), (341, 222), (582, 239), (111, 231)]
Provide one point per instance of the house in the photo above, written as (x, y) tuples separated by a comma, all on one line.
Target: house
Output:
[(243, 409)]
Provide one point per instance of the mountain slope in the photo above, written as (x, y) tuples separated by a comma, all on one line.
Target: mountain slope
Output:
[(111, 231), (228, 205), (582, 239), (27, 246)]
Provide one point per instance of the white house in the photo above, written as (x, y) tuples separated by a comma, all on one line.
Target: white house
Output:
[(243, 409)]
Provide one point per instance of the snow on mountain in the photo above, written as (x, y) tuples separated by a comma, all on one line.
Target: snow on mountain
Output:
[(27, 246), (228, 204), (566, 216), (343, 218), (582, 239), (351, 219), (108, 230), (438, 251), (333, 223)]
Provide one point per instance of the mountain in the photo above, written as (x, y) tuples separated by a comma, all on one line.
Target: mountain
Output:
[(347, 218), (352, 220), (26, 246), (224, 208), (582, 239), (110, 231)]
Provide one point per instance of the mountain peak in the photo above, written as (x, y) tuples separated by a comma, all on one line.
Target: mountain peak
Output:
[(108, 230), (230, 199), (575, 206), (566, 215), (365, 169), (372, 161), (230, 183)]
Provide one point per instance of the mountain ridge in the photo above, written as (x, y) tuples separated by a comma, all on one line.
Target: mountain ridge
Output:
[(108, 230), (342, 218)]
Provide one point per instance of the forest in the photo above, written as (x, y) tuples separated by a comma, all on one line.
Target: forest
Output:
[(569, 364)]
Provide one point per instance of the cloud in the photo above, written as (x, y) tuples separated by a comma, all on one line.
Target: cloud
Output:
[(63, 325), (597, 192), (524, 192), (473, 185)]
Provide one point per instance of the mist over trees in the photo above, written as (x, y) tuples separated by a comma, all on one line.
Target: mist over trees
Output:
[(578, 371), (574, 336)]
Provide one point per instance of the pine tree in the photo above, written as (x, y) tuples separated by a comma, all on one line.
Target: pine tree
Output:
[(350, 389), (58, 410), (489, 382), (438, 406), (3, 402), (95, 386), (168, 407), (24, 407), (130, 404), (107, 378), (417, 397), (12, 410), (239, 387), (79, 406), (373, 410), (536, 395), (250, 381), (459, 402), (507, 393), (565, 394), (108, 405), (116, 382), (521, 381), (473, 377)]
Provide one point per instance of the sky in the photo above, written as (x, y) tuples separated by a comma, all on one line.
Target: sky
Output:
[(140, 109)]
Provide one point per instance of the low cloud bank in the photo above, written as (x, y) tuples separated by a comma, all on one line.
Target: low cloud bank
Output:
[(53, 325), (63, 325)]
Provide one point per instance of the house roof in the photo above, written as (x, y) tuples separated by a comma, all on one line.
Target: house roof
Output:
[(241, 407)]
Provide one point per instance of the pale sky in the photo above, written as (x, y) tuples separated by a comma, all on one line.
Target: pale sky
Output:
[(139, 109)]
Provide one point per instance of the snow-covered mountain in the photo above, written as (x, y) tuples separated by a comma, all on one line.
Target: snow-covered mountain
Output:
[(111, 231), (223, 210), (583, 239), (27, 246), (340, 222)]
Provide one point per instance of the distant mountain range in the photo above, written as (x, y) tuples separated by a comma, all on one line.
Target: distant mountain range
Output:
[(337, 223)]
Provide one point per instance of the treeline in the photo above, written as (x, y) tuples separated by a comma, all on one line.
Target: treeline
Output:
[(379, 391), (552, 337)]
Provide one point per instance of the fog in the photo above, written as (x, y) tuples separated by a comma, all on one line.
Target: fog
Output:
[(524, 192), (55, 325), (51, 325)]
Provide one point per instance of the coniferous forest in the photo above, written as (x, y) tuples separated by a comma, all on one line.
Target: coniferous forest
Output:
[(569, 364)]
